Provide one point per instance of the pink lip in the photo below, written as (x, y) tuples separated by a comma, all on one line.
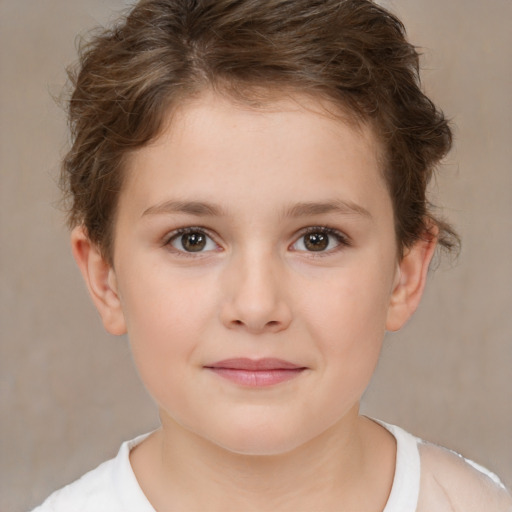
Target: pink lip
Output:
[(256, 372)]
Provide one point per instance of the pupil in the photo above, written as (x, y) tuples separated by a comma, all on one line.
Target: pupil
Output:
[(193, 242), (316, 241)]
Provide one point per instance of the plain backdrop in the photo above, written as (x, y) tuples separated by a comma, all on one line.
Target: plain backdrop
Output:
[(69, 393)]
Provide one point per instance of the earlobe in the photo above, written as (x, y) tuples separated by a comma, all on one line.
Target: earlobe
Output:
[(100, 279), (411, 279)]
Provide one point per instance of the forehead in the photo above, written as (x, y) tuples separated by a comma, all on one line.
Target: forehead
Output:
[(296, 144)]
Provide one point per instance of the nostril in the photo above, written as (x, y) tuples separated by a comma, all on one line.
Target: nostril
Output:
[(272, 324)]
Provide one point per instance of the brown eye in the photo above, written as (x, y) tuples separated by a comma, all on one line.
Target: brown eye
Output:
[(316, 241), (192, 241), (321, 239)]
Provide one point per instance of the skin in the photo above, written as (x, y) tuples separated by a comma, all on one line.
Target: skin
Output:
[(256, 290)]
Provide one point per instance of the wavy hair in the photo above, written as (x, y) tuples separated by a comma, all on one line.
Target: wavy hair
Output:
[(353, 53)]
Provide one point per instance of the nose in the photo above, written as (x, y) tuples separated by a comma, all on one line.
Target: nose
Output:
[(254, 295)]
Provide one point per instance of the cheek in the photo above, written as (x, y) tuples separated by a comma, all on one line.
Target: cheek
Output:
[(165, 302), (353, 300), (167, 319), (347, 318)]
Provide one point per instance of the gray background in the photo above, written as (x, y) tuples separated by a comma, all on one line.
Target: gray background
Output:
[(68, 392)]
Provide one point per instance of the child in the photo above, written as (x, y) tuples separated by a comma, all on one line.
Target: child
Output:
[(248, 203)]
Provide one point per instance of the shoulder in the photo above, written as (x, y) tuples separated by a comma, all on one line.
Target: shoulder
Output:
[(430, 478), (91, 491), (111, 486), (451, 483)]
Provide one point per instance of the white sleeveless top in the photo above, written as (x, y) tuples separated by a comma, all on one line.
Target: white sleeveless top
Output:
[(427, 479)]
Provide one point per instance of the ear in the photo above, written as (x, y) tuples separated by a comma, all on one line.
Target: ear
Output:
[(100, 279), (411, 279)]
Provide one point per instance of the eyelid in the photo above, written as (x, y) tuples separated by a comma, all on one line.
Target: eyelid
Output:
[(173, 235), (342, 239)]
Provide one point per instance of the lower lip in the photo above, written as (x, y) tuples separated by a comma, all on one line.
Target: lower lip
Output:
[(257, 378)]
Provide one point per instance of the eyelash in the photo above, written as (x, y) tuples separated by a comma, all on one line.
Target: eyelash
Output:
[(184, 231), (341, 239)]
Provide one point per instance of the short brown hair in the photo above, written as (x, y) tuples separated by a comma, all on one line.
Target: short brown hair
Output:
[(352, 52)]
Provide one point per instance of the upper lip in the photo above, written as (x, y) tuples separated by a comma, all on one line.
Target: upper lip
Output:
[(247, 364)]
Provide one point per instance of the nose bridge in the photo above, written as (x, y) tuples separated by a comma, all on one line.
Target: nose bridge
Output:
[(255, 297)]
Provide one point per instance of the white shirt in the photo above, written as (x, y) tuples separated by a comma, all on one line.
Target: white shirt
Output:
[(427, 479)]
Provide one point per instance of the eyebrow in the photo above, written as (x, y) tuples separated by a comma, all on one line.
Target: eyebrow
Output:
[(335, 206), (204, 209), (197, 208)]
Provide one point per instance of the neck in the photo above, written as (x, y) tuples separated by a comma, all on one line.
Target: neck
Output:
[(330, 472)]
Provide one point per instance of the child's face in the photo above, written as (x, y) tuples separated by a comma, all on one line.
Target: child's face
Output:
[(288, 253)]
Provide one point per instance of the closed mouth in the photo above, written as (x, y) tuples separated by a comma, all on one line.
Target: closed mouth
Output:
[(256, 372)]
